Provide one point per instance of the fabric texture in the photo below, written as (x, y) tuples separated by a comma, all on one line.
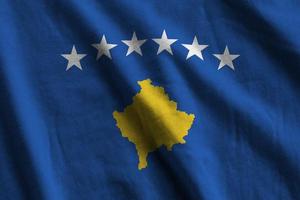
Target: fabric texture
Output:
[(58, 135)]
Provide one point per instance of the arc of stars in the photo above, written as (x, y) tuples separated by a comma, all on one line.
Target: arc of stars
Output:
[(134, 46)]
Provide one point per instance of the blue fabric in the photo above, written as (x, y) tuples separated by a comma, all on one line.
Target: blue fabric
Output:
[(58, 139)]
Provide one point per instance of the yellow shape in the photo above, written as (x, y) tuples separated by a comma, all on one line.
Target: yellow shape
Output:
[(152, 120)]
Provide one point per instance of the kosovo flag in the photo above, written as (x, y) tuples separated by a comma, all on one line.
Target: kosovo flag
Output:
[(157, 99)]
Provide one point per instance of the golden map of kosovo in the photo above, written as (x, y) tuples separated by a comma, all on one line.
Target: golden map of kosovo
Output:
[(152, 120)]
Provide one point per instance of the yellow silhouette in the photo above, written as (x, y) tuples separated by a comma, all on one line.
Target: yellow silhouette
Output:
[(152, 120)]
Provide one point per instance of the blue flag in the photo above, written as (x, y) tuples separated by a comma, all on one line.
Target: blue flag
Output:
[(152, 99)]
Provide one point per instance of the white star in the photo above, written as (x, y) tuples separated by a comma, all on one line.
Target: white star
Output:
[(164, 43), (134, 45), (226, 58), (195, 49), (103, 48), (73, 59)]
